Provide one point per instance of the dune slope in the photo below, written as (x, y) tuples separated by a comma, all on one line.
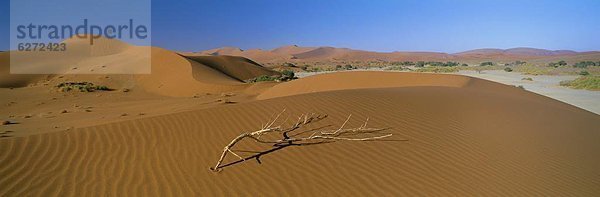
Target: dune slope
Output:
[(478, 138), (238, 68)]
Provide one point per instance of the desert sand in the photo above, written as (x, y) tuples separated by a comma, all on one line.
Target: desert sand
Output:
[(158, 134)]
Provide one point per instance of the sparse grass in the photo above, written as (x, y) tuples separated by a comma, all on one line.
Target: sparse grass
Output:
[(263, 78), (529, 69), (520, 87), (482, 68), (534, 70), (584, 82), (81, 86), (395, 67)]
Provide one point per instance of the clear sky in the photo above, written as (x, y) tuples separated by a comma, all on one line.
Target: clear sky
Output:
[(377, 25)]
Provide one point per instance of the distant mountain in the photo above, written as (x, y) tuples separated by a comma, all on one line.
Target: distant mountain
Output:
[(293, 53), (521, 51)]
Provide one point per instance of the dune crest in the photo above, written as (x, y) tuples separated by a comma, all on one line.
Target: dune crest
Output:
[(361, 80)]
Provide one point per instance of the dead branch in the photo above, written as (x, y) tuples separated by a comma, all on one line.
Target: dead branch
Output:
[(339, 134)]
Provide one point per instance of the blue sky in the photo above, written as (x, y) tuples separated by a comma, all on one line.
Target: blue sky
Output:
[(426, 25)]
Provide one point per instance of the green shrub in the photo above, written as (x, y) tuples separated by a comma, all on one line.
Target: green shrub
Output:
[(263, 78), (103, 88), (562, 63), (507, 69), (287, 75), (584, 73), (486, 64), (527, 79), (585, 64), (519, 62), (81, 86)]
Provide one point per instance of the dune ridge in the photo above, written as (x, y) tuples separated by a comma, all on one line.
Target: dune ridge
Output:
[(361, 80)]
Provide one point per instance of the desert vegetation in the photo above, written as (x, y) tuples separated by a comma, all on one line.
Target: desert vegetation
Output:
[(434, 63), (345, 67), (263, 78), (527, 79), (560, 67), (486, 64), (557, 64), (81, 86), (583, 82), (585, 64), (434, 69), (286, 75)]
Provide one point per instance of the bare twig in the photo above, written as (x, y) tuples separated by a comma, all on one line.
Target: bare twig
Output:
[(335, 135)]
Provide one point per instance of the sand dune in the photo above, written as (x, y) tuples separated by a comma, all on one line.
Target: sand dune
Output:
[(103, 63), (106, 56), (361, 80), (223, 51), (464, 136), (254, 54), (265, 56), (235, 67), (7, 80), (323, 53), (292, 50)]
